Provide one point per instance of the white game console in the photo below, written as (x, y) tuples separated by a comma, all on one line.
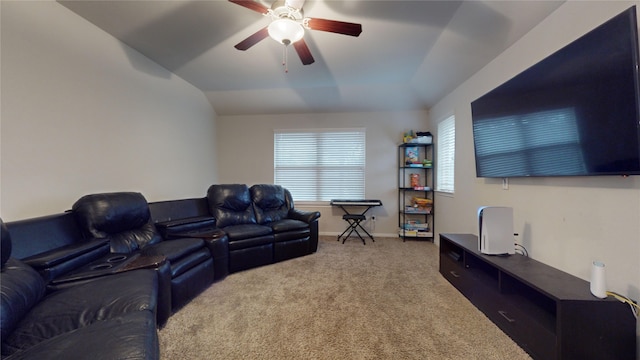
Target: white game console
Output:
[(495, 230)]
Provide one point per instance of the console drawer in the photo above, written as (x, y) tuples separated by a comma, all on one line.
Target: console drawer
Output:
[(536, 339), (457, 275)]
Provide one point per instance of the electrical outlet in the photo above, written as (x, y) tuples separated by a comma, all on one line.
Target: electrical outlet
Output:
[(505, 183)]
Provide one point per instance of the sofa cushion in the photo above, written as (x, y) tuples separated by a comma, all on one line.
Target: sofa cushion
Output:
[(104, 214), (292, 235), (240, 232), (121, 217), (131, 336), (80, 306), (175, 249), (288, 225), (131, 240), (21, 288), (230, 204), (270, 202)]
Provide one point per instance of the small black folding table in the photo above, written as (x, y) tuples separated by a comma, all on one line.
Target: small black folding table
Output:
[(354, 220)]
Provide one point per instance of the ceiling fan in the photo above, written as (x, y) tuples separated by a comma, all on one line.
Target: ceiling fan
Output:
[(288, 25)]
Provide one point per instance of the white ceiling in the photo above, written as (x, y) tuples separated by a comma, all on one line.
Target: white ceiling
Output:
[(409, 55)]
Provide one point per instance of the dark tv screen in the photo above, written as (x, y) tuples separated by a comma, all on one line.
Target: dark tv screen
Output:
[(575, 113)]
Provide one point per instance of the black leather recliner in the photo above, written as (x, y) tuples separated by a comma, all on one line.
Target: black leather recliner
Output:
[(292, 228), (124, 219), (250, 244), (262, 224), (113, 316)]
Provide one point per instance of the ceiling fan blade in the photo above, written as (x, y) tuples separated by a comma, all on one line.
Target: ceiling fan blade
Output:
[(338, 27), (252, 5), (303, 51), (253, 39)]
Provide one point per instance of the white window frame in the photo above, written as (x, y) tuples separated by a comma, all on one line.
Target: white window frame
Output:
[(446, 155), (317, 165)]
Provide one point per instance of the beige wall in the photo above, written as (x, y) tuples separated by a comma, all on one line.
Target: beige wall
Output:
[(245, 145), (83, 113), (564, 222)]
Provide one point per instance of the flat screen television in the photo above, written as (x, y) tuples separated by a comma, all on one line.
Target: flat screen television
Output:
[(575, 113)]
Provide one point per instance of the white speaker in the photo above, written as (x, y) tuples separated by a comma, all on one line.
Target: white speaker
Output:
[(598, 282), (495, 230)]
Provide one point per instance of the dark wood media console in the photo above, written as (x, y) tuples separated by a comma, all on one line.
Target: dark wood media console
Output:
[(549, 313)]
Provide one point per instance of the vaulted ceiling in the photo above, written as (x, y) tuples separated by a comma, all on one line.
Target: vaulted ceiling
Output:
[(409, 55)]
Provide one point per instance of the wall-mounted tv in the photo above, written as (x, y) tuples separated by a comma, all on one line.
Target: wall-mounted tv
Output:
[(575, 113)]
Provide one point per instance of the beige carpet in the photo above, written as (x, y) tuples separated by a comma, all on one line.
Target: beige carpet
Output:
[(383, 300)]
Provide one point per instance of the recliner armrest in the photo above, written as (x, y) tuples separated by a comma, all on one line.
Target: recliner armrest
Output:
[(56, 256), (175, 228), (306, 216), (57, 262)]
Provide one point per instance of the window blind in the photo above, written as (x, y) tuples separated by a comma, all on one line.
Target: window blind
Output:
[(320, 165), (446, 155)]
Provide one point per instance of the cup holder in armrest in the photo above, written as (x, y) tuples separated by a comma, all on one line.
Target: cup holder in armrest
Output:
[(101, 266), (109, 264), (117, 258)]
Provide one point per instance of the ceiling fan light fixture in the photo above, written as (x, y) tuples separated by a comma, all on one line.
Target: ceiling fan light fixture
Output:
[(285, 31)]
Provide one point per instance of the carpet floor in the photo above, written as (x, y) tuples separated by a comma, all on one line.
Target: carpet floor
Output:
[(382, 300)]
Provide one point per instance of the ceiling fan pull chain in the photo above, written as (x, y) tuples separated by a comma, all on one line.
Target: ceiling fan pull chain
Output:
[(284, 59)]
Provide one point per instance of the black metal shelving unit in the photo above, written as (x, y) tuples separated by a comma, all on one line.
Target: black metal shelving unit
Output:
[(416, 180)]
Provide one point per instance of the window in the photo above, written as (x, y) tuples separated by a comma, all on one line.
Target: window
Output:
[(320, 165), (446, 155)]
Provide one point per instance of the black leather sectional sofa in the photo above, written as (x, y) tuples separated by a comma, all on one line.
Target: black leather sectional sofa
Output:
[(98, 280)]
